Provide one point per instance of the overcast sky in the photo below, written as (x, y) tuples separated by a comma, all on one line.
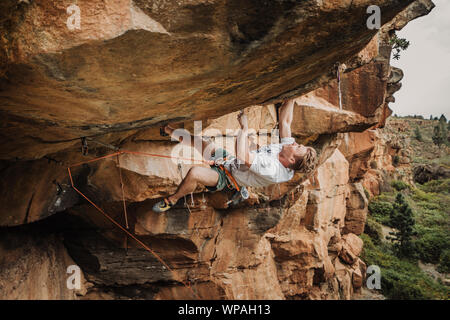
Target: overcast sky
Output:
[(426, 64)]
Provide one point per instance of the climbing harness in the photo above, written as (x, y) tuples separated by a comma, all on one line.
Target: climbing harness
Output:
[(241, 193)]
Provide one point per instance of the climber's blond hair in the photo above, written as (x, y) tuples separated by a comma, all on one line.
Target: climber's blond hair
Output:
[(307, 163)]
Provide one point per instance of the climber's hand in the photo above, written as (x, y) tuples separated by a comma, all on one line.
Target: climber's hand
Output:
[(243, 120), (168, 129)]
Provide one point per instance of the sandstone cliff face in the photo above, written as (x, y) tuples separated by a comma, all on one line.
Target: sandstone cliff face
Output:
[(138, 67), (33, 266), (378, 155), (192, 59)]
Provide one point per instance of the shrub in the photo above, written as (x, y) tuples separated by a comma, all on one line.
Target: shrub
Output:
[(400, 278), (398, 44), (399, 185), (403, 288), (381, 211), (429, 206), (431, 243), (444, 262), (437, 186), (373, 229), (386, 197), (420, 195), (418, 134), (373, 164)]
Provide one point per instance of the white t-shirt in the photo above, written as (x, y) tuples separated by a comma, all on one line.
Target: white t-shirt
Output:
[(266, 169)]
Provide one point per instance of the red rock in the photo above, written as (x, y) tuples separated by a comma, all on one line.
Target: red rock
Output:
[(351, 248), (287, 241), (34, 267), (357, 207), (137, 65)]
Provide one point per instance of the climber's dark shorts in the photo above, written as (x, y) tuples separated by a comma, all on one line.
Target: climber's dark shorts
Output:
[(223, 180)]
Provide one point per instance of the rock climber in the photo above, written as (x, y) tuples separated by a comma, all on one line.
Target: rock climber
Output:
[(270, 164)]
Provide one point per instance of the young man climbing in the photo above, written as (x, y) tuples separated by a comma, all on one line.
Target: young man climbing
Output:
[(270, 164)]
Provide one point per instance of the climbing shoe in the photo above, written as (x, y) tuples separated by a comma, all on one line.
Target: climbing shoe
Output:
[(162, 205)]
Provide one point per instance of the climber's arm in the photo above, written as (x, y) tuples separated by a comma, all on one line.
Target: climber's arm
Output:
[(242, 150), (286, 115)]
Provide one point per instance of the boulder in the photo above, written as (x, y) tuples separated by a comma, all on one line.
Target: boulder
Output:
[(426, 172), (351, 249), (357, 207)]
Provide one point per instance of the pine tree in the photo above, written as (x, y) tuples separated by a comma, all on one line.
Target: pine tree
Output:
[(402, 219), (440, 132), (417, 134), (438, 135), (444, 132), (444, 128)]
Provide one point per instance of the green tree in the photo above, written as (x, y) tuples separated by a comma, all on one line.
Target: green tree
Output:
[(418, 134), (440, 132), (398, 44), (402, 219), (444, 128), (437, 136)]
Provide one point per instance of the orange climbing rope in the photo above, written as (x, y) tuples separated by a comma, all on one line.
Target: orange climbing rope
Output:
[(123, 200), (123, 193), (125, 229)]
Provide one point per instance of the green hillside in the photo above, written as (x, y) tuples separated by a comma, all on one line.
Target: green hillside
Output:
[(418, 268), (424, 150)]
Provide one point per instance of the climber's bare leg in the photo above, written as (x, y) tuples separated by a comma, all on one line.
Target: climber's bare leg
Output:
[(207, 147), (195, 175)]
